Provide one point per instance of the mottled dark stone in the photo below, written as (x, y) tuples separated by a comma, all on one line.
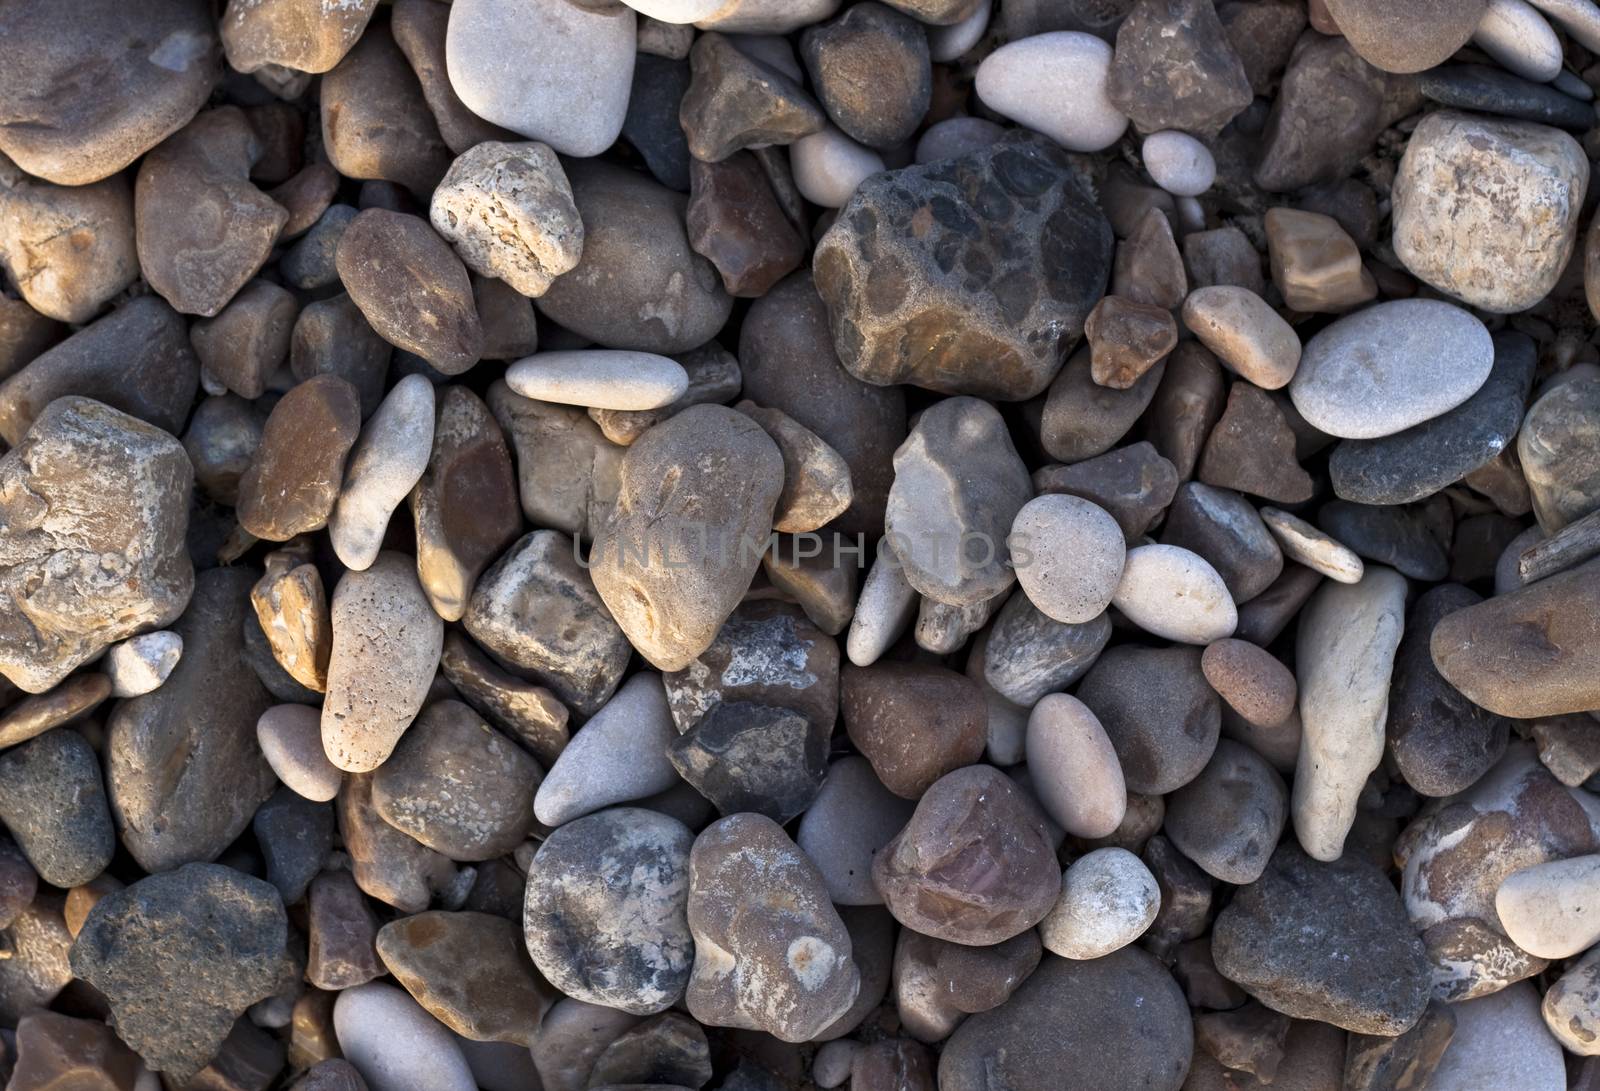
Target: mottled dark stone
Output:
[(52, 801), (1175, 69), (668, 1048), (1326, 118), (1263, 34), (179, 956), (295, 836), (1133, 483), (871, 70), (651, 125), (1223, 527), (972, 275), (1161, 715), (749, 757), (1389, 534), (530, 714), (1326, 941), (341, 934), (1418, 462), (309, 263), (1402, 1063)]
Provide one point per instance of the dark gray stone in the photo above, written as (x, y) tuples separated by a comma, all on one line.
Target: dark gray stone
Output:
[(1175, 69), (651, 125), (1488, 90), (749, 757), (52, 801), (1134, 484), (1161, 715), (1223, 527), (1029, 654), (295, 836), (1389, 534)]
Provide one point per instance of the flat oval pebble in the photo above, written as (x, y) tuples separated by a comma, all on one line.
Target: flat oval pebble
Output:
[(1074, 768), (1108, 898), (618, 756), (605, 913), (1515, 34), (1228, 818), (1389, 367), (1178, 163), (600, 379), (1075, 556), (852, 818), (386, 643), (385, 463), (1552, 910), (1404, 35), (1501, 1041), (1055, 84), (1173, 593), (395, 1044), (1305, 544), (291, 739)]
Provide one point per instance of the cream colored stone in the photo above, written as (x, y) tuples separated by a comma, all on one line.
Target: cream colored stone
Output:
[(1108, 899), (1247, 335), (1305, 544), (384, 465), (1552, 910), (1175, 594), (1074, 768), (599, 379)]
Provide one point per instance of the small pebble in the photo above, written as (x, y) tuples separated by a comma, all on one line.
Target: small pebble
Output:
[(1515, 34), (1549, 909), (1305, 544), (829, 166), (291, 740), (619, 756), (384, 465), (1178, 163), (395, 1044), (1173, 593), (1108, 898), (1074, 768), (601, 379), (1246, 334), (1055, 84)]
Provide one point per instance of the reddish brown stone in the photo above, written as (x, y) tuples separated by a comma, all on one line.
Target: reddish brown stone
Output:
[(59, 1053), (914, 722), (1252, 449), (342, 931), (735, 221), (295, 477), (1127, 339)]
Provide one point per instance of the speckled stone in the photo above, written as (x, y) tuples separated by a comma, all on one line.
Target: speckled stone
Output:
[(53, 802), (293, 481), (914, 722)]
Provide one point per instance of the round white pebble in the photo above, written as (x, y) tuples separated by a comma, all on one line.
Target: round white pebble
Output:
[(599, 378), (1055, 84), (141, 663), (949, 42), (1173, 593), (1516, 35), (1068, 554), (828, 166), (1179, 163), (1108, 899), (956, 136)]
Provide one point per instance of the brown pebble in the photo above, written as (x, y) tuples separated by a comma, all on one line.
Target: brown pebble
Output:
[(816, 478), (735, 221), (376, 123), (1250, 680), (295, 477), (341, 930), (33, 716), (59, 1053), (292, 607), (1186, 406), (1252, 449), (1126, 339), (914, 722), (244, 344), (530, 714)]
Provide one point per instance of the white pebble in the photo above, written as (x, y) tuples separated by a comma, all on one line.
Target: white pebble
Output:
[(1515, 34), (1316, 549), (1055, 84), (677, 11), (1179, 163), (832, 1065), (883, 610), (1552, 910), (599, 378), (395, 1044), (1108, 899), (619, 756), (767, 16), (828, 166), (387, 462), (1075, 772), (956, 136), (290, 737), (1173, 593), (1068, 553), (141, 663), (949, 42)]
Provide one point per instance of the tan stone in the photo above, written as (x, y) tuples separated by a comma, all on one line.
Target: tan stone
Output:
[(1246, 334), (1315, 264), (292, 607), (1127, 339)]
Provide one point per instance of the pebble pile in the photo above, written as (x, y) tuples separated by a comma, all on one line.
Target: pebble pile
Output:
[(776, 545)]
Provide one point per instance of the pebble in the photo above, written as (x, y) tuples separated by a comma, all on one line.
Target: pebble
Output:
[(771, 952), (1175, 594), (384, 465), (1028, 655), (179, 956), (1529, 652), (19, 883), (829, 167), (1246, 334), (295, 836), (1518, 37), (1055, 84), (976, 863), (1074, 768), (1325, 941), (292, 34), (71, 250), (567, 471), (1380, 371), (1398, 536), (756, 758), (1082, 418), (816, 478), (538, 612), (1441, 742), (1400, 37), (1345, 657), (1222, 528), (1548, 909), (669, 1046), (376, 123), (457, 785), (728, 476), (1108, 898), (52, 801), (1127, 339), (222, 438), (938, 983), (1329, 112), (1501, 1041), (736, 221), (1228, 818), (508, 211), (833, 1063), (249, 339), (309, 263), (292, 611), (420, 29), (100, 96), (599, 378), (1178, 163), (387, 864), (620, 755), (294, 478), (1482, 89), (114, 487), (33, 716), (464, 505), (341, 931), (164, 821), (37, 970), (1418, 462), (714, 378), (1558, 449), (1076, 554), (395, 1044), (767, 16), (291, 740), (1255, 685), (638, 285), (1376, 1062), (851, 819), (952, 40), (529, 714), (1569, 1007), (914, 722), (872, 72), (1316, 265), (883, 610), (878, 274), (1506, 251), (386, 641), (332, 337), (735, 100), (411, 287), (53, 1051), (1175, 69), (1148, 267), (1161, 716), (574, 99), (1132, 1030)]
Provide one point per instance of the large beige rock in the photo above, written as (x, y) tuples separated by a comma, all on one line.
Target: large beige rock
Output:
[(94, 506), (68, 249)]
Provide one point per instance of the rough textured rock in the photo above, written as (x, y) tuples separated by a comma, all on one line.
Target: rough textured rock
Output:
[(294, 478), (292, 608), (726, 476), (1133, 1030), (52, 801), (1028, 654), (530, 714), (975, 864), (1175, 69), (736, 101), (91, 538), (771, 952), (605, 916), (736, 221), (1487, 209), (90, 89), (179, 956), (985, 295), (871, 68), (69, 251), (749, 757), (1325, 941), (55, 1051), (203, 721), (305, 35), (507, 209), (1559, 451), (387, 864)]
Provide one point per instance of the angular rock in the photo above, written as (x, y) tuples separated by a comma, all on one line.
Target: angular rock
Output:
[(735, 101), (387, 864), (292, 608), (55, 1052), (748, 757), (667, 1047), (1127, 339), (567, 471), (1315, 264), (1134, 484), (1175, 69), (735, 221), (914, 722), (375, 121), (530, 714), (947, 306), (179, 956), (1383, 1063), (1028, 654), (341, 931)]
